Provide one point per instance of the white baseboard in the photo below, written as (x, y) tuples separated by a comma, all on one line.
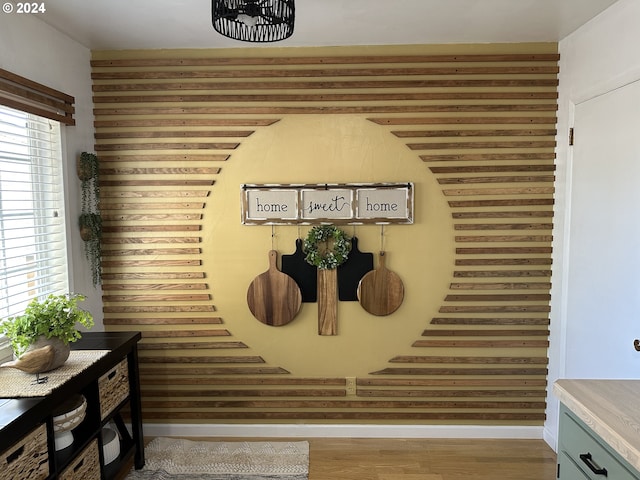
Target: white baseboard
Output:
[(341, 431)]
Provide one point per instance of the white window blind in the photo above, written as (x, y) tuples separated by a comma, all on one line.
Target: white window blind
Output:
[(33, 257)]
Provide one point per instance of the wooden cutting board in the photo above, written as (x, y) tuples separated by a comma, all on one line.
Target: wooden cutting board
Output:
[(327, 302), (273, 297), (381, 291)]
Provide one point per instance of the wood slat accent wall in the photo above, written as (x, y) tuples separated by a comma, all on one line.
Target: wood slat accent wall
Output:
[(484, 126)]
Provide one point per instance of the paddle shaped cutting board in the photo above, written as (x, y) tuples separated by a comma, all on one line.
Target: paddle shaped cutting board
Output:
[(381, 291), (273, 297), (302, 272), (351, 272)]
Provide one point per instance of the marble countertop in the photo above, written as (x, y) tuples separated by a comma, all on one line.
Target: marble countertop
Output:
[(611, 408)]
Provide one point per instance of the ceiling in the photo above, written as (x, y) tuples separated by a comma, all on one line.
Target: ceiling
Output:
[(133, 24)]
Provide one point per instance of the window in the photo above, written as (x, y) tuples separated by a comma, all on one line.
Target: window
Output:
[(33, 257)]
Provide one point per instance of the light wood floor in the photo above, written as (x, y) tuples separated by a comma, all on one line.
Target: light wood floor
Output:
[(430, 459), (427, 459)]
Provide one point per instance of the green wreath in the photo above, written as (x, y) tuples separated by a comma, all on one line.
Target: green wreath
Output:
[(335, 251)]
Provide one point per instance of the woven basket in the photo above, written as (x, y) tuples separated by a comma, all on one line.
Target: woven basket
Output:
[(28, 458), (86, 466), (114, 388)]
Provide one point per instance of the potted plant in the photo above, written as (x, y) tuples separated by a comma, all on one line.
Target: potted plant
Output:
[(87, 168), (47, 323), (90, 221)]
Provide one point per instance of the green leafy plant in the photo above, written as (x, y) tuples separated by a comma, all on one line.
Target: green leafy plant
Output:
[(55, 316), (90, 222)]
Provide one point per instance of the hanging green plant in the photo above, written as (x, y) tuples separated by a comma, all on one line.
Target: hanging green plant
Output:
[(326, 247), (90, 222), (87, 166)]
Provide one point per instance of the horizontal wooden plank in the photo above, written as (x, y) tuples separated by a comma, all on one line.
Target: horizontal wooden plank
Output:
[(492, 332), (449, 382), (353, 415), (550, 120), (503, 226), (503, 214), (159, 309), (107, 277), (432, 393), (496, 179), (344, 404), (501, 273), (324, 72), (493, 168), (150, 263), (511, 297), (481, 343), (151, 206), (499, 191), (156, 183), (473, 371), (334, 110), (185, 333), (174, 320), (489, 157), (504, 250), (160, 171), (216, 61), (192, 297), (490, 321), (538, 83), (516, 202), (227, 392), (154, 369), (151, 217), (470, 360), (481, 145), (154, 193), (156, 376), (502, 261), (501, 286), (184, 359), (530, 132), (190, 346), (169, 157), (151, 228), (172, 134), (151, 251), (183, 97), (504, 238), (114, 147), (495, 309), (177, 122), (106, 240), (153, 286)]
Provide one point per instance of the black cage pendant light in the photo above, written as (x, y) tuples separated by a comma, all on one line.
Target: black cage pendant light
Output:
[(253, 20)]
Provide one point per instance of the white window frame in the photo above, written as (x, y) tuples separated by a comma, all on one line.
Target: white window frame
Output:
[(32, 207)]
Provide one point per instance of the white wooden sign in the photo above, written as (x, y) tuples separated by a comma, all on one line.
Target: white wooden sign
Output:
[(374, 203)]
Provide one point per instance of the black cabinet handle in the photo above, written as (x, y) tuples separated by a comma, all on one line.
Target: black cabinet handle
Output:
[(586, 458)]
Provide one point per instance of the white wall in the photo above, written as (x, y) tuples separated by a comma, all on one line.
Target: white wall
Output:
[(32, 49), (598, 58)]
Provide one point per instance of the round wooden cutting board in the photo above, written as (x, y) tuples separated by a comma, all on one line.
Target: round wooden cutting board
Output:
[(381, 291), (273, 297)]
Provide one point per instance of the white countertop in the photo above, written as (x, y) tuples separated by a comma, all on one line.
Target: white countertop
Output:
[(611, 408)]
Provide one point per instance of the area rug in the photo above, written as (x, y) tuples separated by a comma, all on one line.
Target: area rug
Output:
[(180, 459)]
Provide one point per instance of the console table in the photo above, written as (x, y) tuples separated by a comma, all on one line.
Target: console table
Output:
[(109, 381)]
